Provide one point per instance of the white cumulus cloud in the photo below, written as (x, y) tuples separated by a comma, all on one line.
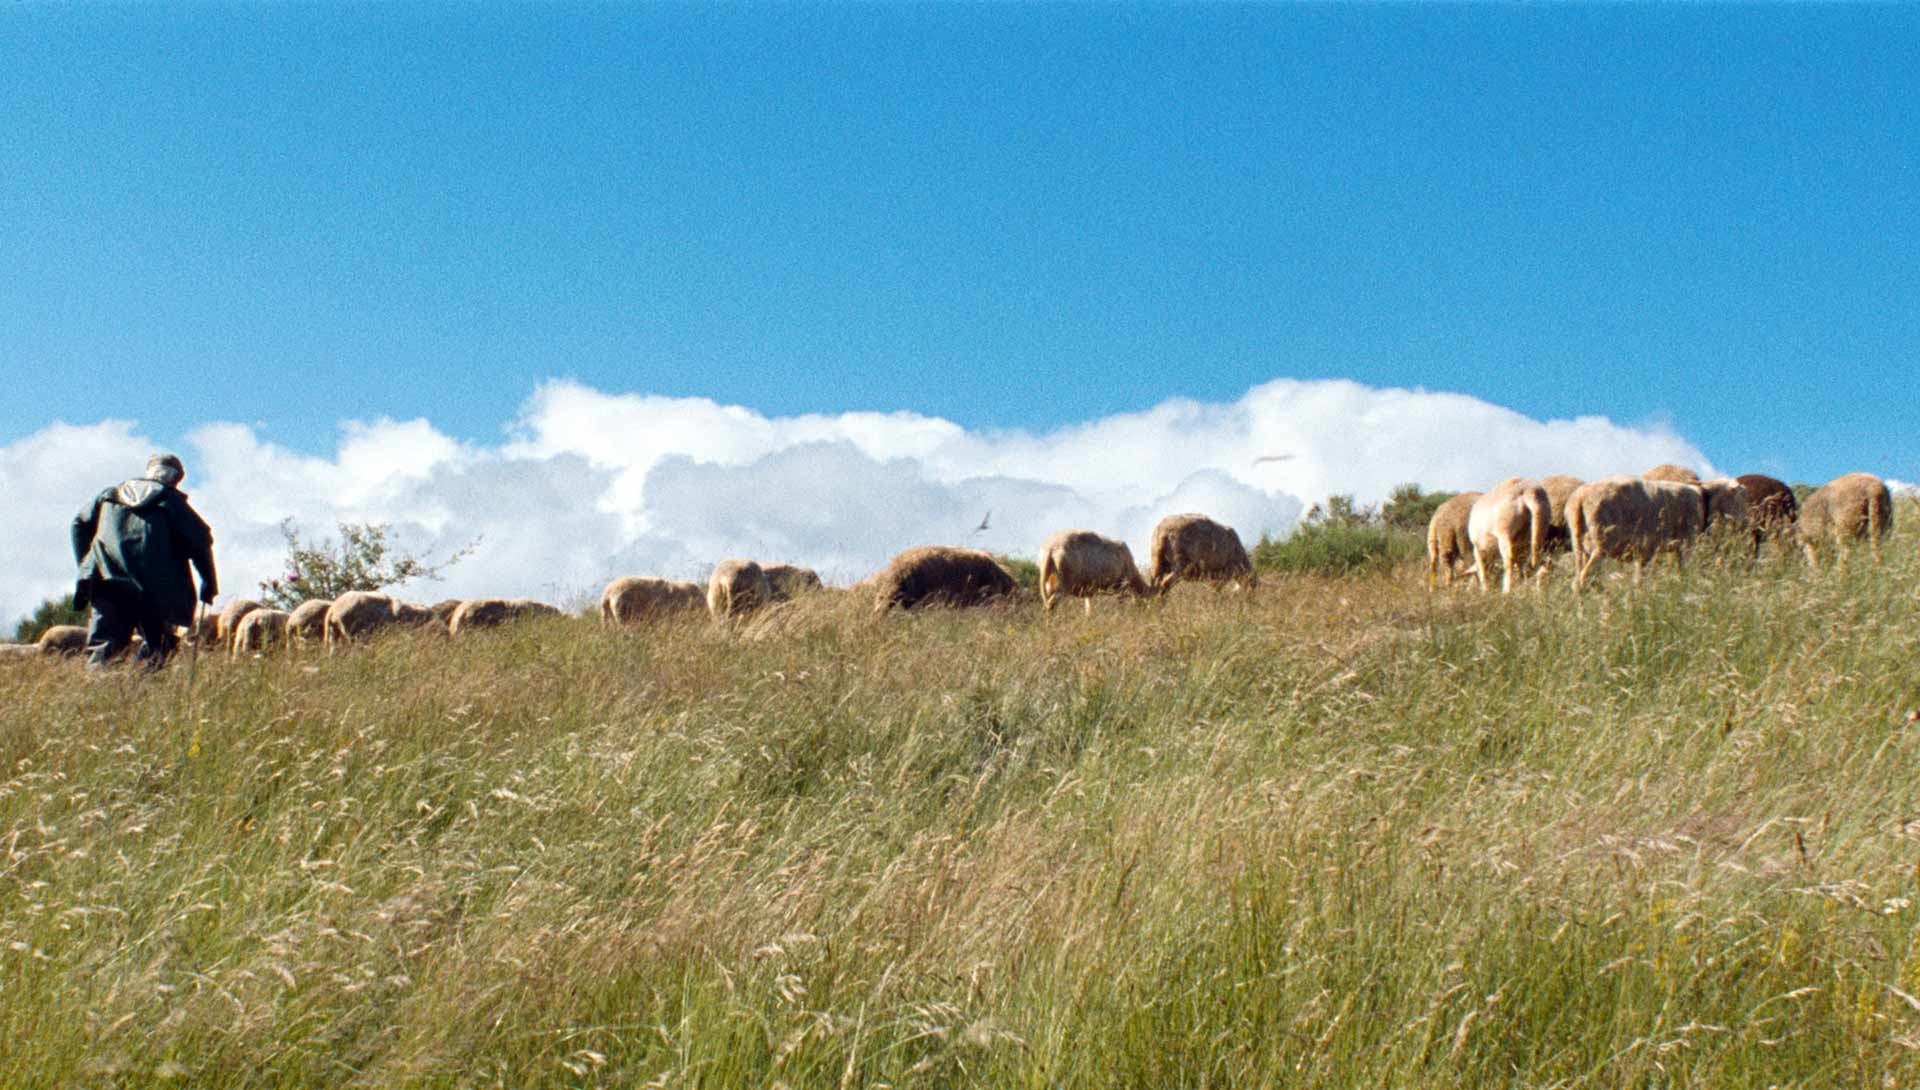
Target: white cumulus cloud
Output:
[(593, 484)]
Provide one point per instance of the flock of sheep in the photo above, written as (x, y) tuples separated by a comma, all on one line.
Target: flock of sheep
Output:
[(1519, 523)]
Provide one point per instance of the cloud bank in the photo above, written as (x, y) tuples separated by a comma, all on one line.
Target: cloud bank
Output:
[(588, 485)]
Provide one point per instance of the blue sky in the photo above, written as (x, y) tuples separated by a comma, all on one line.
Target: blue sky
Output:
[(1009, 217), (626, 289)]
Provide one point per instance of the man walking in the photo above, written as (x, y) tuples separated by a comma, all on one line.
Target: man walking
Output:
[(133, 544)]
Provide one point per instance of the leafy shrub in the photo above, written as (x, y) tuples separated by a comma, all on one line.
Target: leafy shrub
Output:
[(1024, 572), (1340, 537), (1329, 548), (362, 559), (53, 611)]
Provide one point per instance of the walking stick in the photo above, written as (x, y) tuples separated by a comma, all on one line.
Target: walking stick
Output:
[(193, 642)]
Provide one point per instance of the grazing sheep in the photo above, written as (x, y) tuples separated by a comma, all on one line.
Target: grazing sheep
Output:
[(205, 631), (1725, 512), (229, 619), (943, 575), (633, 598), (1770, 505), (1850, 508), (1082, 563), (308, 621), (789, 581), (359, 612), (1559, 487), (1631, 518), (62, 639), (1447, 540), (477, 613), (261, 629), (737, 587), (1667, 471), (1513, 512), (443, 610), (1196, 547)]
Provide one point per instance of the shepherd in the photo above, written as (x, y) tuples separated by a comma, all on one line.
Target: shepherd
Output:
[(133, 543)]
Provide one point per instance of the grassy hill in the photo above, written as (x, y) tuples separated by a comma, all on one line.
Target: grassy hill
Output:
[(1345, 834)]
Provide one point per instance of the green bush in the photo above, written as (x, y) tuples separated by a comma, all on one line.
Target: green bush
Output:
[(1328, 548), (1340, 537), (53, 611), (1024, 572)]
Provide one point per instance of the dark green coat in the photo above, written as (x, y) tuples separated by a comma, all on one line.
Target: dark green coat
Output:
[(142, 535)]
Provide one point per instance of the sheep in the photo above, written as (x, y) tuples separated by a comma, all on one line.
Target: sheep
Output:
[(62, 639), (359, 612), (1082, 563), (477, 613), (259, 630), (1514, 511), (308, 621), (1194, 546), (1667, 471), (1725, 513), (789, 581), (737, 587), (1852, 507), (229, 619), (443, 609), (1770, 505), (633, 598), (1559, 487), (205, 630), (940, 574), (1631, 518), (1447, 541)]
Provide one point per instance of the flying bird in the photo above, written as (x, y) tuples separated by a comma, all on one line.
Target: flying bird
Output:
[(1275, 458), (982, 528)]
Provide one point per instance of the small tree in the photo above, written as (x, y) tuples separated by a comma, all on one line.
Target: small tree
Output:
[(362, 559), (53, 611), (1410, 508)]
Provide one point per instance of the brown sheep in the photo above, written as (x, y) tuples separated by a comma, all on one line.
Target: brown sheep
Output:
[(1447, 541), (260, 630), (941, 574), (737, 587), (359, 612), (62, 639), (1667, 471), (1196, 547), (229, 619), (1770, 505), (1631, 518), (633, 598), (205, 631), (1725, 511), (308, 621), (1559, 487), (478, 613), (788, 581), (1850, 508), (1082, 563), (1513, 512)]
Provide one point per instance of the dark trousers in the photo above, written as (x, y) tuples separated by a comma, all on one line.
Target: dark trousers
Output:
[(117, 613)]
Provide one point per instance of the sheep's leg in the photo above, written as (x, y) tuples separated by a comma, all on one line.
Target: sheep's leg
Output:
[(1089, 600)]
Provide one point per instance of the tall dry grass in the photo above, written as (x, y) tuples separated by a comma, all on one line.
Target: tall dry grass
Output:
[(1343, 834)]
